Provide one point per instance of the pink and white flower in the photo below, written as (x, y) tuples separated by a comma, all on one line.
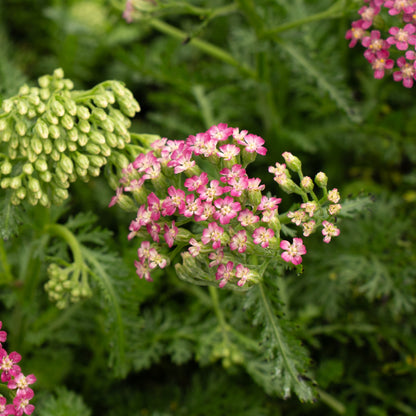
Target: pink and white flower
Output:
[(294, 251)]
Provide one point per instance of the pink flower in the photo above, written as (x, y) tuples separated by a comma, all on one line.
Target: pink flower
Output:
[(6, 409), (253, 143), (262, 236), (406, 73), (246, 218), (216, 257), (356, 33), (143, 270), (297, 216), (242, 273), (143, 251), (8, 365), (239, 241), (308, 228), (156, 259), (196, 247), (155, 206), (209, 193), (175, 200), (329, 231), (192, 206), (333, 196), (114, 199), (192, 184), (397, 6), (153, 229), (212, 233), (207, 211), (367, 14), (235, 173), (380, 62), (271, 203), (21, 382), (374, 43), (3, 334), (226, 209), (402, 37), (170, 234), (220, 132), (228, 151), (127, 14), (225, 273), (21, 402), (293, 252)]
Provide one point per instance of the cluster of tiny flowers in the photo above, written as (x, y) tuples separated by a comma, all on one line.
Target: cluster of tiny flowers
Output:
[(51, 135), (399, 39), (17, 383), (196, 198)]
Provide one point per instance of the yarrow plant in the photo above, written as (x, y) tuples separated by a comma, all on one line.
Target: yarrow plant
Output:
[(394, 33), (195, 198), (19, 392)]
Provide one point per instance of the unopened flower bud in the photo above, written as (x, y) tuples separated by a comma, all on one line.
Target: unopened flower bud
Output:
[(6, 167), (99, 114), (96, 137), (61, 193), (100, 101), (73, 134), (42, 129), (126, 203), (51, 118), (307, 184), (21, 193), (57, 108), (21, 107), (3, 124), (33, 184), (36, 144), (67, 121), (16, 182), (84, 126), (7, 106), (66, 164), (333, 196), (72, 146), (83, 112), (321, 179), (24, 90), (93, 148), (45, 176), (41, 165), (20, 128), (70, 106), (27, 168), (292, 162), (54, 131), (44, 81)]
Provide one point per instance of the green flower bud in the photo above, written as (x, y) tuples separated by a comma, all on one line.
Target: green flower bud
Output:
[(82, 139), (7, 106), (97, 161), (51, 118), (44, 81), (14, 142), (24, 90), (41, 165), (67, 121), (3, 124), (109, 97), (57, 108), (321, 179), (20, 128), (93, 148), (16, 182), (21, 193), (47, 146), (44, 94), (21, 107), (84, 126), (120, 160), (44, 201), (72, 146), (27, 168), (36, 144), (41, 108), (81, 172), (66, 164), (45, 176), (31, 113), (96, 138), (32, 199), (61, 193), (292, 162), (54, 131), (6, 167), (126, 203), (42, 129), (105, 150), (5, 137), (55, 155), (34, 97), (58, 73), (100, 101), (120, 128), (33, 184), (14, 199), (61, 177), (81, 160), (68, 84), (12, 153), (24, 142), (5, 183), (70, 106), (73, 134), (93, 171), (107, 125), (99, 114), (31, 155), (83, 112), (111, 139), (60, 144)]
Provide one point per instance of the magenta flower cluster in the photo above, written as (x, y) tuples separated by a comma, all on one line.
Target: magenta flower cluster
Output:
[(17, 383), (196, 198), (399, 40)]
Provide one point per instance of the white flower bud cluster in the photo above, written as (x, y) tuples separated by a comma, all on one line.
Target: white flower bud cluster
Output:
[(51, 135)]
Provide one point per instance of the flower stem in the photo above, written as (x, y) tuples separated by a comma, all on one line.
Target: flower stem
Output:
[(333, 12), (204, 46), (7, 276)]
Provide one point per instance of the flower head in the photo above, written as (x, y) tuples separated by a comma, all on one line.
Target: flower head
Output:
[(294, 251)]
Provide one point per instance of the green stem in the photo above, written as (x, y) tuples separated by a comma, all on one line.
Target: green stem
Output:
[(331, 402), (333, 12), (63, 232), (8, 277), (204, 46)]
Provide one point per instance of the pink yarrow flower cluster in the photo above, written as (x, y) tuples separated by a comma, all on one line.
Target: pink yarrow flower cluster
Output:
[(195, 198), (399, 40), (16, 382)]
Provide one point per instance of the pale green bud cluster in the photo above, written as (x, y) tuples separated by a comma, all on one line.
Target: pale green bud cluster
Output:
[(64, 286), (51, 135)]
